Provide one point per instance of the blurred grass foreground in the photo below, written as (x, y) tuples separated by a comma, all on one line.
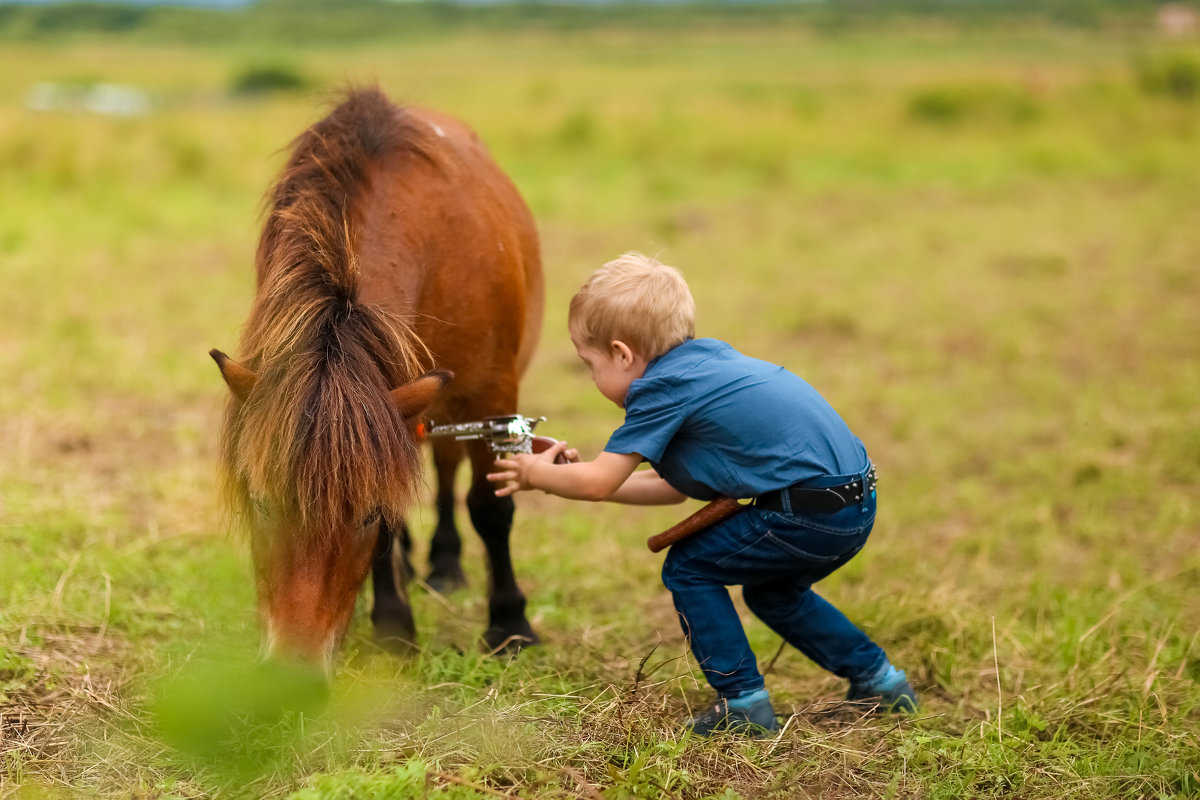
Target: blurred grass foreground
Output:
[(972, 226)]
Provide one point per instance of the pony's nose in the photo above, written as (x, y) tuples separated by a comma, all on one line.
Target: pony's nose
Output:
[(314, 657)]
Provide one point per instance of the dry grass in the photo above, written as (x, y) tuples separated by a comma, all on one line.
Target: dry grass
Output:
[(76, 684)]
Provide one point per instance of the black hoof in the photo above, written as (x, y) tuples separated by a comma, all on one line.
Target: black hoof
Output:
[(400, 644), (509, 641), (446, 581), (395, 633)]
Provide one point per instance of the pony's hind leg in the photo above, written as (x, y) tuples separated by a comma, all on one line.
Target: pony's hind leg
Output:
[(445, 549), (508, 629), (392, 614)]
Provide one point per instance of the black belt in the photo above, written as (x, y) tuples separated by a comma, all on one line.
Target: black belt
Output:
[(828, 500)]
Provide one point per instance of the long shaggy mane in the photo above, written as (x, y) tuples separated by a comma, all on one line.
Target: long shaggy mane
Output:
[(319, 439)]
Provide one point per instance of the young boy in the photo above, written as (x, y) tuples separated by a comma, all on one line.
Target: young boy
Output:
[(713, 422)]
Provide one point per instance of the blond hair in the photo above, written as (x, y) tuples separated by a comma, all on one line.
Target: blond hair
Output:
[(637, 300)]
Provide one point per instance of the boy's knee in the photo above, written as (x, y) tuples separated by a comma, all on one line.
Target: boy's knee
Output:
[(688, 566), (675, 571), (668, 570)]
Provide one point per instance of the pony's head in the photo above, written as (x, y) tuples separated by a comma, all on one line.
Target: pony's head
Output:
[(318, 447), (319, 441)]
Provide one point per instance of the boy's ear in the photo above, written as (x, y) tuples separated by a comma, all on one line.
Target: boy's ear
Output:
[(621, 352)]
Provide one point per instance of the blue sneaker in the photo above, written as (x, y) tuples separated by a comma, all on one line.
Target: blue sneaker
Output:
[(750, 715), (888, 690)]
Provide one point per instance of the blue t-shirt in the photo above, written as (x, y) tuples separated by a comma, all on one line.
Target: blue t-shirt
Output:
[(714, 422)]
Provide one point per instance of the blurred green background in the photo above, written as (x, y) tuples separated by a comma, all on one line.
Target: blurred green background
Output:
[(972, 226)]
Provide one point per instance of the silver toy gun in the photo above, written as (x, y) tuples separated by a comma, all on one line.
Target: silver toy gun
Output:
[(511, 433)]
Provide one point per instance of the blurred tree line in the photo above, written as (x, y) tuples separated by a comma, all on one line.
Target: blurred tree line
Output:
[(353, 20)]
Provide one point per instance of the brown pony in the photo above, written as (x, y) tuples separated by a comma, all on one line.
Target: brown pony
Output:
[(396, 255)]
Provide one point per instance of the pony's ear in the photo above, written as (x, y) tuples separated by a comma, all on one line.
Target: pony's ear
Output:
[(414, 397), (239, 379)]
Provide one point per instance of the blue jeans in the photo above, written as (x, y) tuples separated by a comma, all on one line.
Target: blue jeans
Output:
[(776, 558)]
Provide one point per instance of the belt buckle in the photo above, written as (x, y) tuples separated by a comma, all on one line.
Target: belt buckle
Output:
[(869, 480)]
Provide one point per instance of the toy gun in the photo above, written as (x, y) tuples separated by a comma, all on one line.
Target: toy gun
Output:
[(511, 433)]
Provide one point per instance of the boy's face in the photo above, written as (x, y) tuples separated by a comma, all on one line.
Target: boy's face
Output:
[(614, 371)]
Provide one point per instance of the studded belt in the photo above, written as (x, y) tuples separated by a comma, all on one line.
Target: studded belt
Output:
[(827, 500)]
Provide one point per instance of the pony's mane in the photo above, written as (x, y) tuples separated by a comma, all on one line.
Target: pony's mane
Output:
[(319, 438)]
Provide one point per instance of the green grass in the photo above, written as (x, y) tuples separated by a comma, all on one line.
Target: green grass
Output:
[(980, 247)]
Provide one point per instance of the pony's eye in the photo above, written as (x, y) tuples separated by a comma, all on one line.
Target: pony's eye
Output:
[(261, 508), (371, 518)]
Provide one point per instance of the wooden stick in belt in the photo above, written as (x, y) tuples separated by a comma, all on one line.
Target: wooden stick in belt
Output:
[(720, 509)]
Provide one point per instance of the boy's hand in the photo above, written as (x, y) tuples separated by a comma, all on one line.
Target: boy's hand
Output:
[(513, 472)]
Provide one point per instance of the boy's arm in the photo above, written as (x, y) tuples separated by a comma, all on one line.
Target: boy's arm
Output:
[(605, 478), (645, 487)]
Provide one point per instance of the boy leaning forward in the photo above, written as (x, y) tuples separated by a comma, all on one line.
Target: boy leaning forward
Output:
[(712, 422)]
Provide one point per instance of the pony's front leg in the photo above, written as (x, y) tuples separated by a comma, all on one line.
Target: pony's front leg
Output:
[(391, 612), (508, 629), (445, 549)]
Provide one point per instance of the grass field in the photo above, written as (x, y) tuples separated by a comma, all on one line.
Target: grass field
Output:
[(982, 247)]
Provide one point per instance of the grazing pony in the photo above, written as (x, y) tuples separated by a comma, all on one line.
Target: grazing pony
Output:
[(396, 256)]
